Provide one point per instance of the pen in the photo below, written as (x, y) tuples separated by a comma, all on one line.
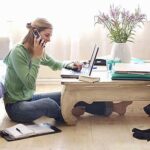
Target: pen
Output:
[(19, 130)]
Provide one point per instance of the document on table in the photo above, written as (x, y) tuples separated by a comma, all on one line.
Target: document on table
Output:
[(131, 68)]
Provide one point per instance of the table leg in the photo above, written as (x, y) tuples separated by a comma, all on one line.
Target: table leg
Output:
[(68, 100)]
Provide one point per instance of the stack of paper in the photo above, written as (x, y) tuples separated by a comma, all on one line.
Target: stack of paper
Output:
[(131, 71), (143, 68), (19, 131)]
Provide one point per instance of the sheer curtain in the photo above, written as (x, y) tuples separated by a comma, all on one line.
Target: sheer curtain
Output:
[(74, 32)]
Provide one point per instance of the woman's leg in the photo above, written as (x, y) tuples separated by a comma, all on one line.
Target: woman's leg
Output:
[(121, 107), (101, 108), (96, 108), (54, 95), (39, 105)]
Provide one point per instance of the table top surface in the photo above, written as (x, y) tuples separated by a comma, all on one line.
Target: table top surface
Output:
[(105, 78)]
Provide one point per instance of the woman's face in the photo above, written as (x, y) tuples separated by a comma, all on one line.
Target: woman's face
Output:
[(46, 35)]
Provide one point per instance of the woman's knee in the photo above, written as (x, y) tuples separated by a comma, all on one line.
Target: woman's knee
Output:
[(51, 106)]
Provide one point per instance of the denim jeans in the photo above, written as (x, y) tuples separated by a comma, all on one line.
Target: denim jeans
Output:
[(48, 104), (100, 108)]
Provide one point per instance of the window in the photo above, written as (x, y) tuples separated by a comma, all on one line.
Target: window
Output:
[(74, 31)]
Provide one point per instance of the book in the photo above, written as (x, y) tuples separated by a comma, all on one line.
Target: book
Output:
[(21, 131), (128, 76), (88, 78), (131, 68)]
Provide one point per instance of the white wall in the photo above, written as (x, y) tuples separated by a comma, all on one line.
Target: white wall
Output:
[(140, 48), (141, 45)]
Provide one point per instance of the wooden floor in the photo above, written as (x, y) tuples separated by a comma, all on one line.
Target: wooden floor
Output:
[(90, 133)]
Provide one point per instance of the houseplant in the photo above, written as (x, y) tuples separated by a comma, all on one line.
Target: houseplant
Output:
[(121, 23)]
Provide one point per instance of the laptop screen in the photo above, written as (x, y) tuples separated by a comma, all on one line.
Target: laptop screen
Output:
[(94, 55)]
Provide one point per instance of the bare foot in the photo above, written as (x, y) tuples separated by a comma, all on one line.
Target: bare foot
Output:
[(121, 107), (78, 111)]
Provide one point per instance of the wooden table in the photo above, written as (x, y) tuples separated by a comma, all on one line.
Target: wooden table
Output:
[(104, 90)]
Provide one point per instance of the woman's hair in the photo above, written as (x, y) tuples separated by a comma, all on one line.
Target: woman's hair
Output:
[(40, 24)]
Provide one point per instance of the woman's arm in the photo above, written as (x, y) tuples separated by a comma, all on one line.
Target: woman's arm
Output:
[(53, 64), (25, 67)]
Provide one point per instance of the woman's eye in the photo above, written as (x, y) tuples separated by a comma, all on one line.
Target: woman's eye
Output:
[(46, 35)]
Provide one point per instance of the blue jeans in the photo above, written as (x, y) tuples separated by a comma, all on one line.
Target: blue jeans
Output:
[(48, 104)]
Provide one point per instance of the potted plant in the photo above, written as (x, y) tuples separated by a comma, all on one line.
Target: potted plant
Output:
[(121, 24)]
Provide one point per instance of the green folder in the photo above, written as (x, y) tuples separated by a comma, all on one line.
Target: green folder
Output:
[(128, 76)]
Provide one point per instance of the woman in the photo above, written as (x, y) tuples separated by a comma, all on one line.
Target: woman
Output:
[(23, 63)]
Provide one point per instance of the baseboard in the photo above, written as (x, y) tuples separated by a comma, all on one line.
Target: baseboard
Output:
[(48, 81)]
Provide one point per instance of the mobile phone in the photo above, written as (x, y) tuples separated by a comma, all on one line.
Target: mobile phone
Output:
[(37, 35)]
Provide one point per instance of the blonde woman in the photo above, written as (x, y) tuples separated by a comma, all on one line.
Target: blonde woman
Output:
[(23, 63)]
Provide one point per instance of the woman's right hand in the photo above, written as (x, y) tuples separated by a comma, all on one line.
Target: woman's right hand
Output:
[(76, 66), (38, 48)]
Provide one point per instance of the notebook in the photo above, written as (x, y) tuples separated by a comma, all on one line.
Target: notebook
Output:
[(65, 73), (21, 131)]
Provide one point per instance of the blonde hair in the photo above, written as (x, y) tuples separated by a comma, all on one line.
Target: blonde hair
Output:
[(40, 24)]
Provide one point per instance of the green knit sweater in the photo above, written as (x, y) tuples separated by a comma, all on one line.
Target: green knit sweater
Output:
[(21, 74)]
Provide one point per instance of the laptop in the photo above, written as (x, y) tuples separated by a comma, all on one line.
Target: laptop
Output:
[(92, 53), (65, 73)]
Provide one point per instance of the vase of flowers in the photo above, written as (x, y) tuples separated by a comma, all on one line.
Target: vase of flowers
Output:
[(121, 26)]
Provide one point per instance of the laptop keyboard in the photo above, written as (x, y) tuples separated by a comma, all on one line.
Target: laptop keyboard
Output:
[(83, 71)]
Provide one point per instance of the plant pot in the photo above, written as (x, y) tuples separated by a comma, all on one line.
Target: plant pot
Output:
[(121, 51)]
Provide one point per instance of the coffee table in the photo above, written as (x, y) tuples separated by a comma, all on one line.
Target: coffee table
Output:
[(104, 90)]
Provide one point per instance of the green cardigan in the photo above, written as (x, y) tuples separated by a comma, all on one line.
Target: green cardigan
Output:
[(21, 74)]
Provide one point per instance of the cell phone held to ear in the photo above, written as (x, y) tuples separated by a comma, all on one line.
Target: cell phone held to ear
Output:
[(37, 36)]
